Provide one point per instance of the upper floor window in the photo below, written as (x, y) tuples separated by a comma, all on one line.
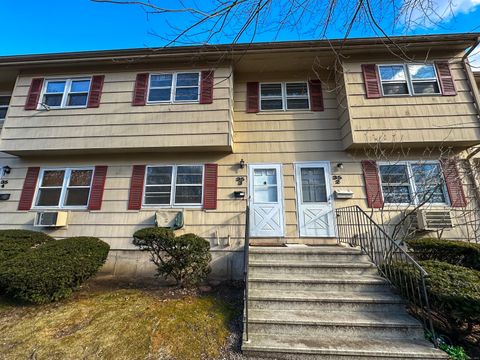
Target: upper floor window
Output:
[(174, 87), (284, 96), (4, 101), (413, 183), (177, 185), (411, 79), (64, 188), (66, 93)]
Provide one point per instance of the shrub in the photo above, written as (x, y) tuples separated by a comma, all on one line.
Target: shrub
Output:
[(453, 252), (453, 292), (53, 270), (14, 242), (185, 258)]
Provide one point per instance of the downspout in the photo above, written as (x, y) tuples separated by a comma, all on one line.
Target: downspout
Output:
[(476, 99)]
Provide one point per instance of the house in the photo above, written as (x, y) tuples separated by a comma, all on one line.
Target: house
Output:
[(123, 139)]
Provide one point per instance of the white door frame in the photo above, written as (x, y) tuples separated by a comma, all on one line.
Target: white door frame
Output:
[(329, 189), (280, 197)]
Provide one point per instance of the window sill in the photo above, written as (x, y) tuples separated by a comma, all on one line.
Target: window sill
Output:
[(172, 102), (41, 108)]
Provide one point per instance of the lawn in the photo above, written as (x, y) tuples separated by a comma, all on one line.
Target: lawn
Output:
[(119, 323)]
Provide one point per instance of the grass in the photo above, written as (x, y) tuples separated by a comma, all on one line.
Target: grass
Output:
[(116, 324)]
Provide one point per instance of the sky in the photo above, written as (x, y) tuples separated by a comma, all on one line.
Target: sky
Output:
[(46, 26)]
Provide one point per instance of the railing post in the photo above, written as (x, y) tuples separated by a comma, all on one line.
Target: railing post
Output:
[(429, 311), (246, 247)]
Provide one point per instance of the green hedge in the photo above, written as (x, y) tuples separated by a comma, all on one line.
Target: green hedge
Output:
[(185, 258), (453, 291), (14, 242), (453, 252), (53, 270)]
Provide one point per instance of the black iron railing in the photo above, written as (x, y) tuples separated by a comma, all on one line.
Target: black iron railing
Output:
[(357, 228), (245, 271)]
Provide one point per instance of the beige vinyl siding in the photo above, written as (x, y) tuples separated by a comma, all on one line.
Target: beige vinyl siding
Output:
[(412, 120), (117, 125)]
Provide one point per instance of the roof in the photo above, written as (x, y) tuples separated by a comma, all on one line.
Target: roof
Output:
[(451, 41)]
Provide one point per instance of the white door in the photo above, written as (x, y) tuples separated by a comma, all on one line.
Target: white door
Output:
[(316, 217), (266, 200)]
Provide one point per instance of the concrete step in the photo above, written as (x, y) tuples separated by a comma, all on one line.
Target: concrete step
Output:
[(257, 268), (325, 301), (306, 253), (333, 348), (334, 323), (314, 282)]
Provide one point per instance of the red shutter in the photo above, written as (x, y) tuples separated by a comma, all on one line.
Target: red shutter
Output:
[(140, 92), (95, 91), (372, 184), (210, 183), (206, 87), (28, 190), (446, 79), (454, 183), (34, 94), (98, 184), (252, 97), (316, 95), (136, 187), (372, 82)]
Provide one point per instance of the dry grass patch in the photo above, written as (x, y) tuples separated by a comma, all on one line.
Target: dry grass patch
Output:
[(115, 324)]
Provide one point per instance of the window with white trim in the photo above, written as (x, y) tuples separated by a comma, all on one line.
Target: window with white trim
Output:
[(413, 183), (409, 79), (284, 96), (4, 102), (64, 188), (174, 185), (65, 93), (174, 87)]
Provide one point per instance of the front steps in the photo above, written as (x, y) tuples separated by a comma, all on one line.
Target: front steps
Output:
[(326, 302)]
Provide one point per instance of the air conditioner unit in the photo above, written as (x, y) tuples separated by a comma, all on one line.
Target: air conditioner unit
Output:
[(51, 219), (169, 218), (434, 219)]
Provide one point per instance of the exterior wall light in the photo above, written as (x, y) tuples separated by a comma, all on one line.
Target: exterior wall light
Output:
[(6, 169), (242, 164)]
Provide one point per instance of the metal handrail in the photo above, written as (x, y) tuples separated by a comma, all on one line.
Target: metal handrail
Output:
[(357, 228), (245, 271)]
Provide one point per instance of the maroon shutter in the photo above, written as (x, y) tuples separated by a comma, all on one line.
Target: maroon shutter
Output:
[(34, 94), (28, 189), (98, 184), (252, 97), (454, 183), (206, 87), (372, 82), (372, 184), (140, 92), (136, 187), (316, 95), (210, 187), (446, 79), (95, 91)]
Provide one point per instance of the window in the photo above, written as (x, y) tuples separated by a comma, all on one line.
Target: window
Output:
[(4, 101), (173, 87), (413, 183), (284, 96), (68, 93), (174, 185), (411, 79), (63, 188)]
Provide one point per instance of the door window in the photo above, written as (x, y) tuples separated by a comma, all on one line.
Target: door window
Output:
[(314, 188), (265, 186)]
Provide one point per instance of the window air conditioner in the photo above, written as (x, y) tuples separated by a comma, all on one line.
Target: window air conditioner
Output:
[(51, 219), (434, 219)]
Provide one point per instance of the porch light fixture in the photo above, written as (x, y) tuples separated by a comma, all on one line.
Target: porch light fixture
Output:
[(6, 169), (340, 165), (242, 164)]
